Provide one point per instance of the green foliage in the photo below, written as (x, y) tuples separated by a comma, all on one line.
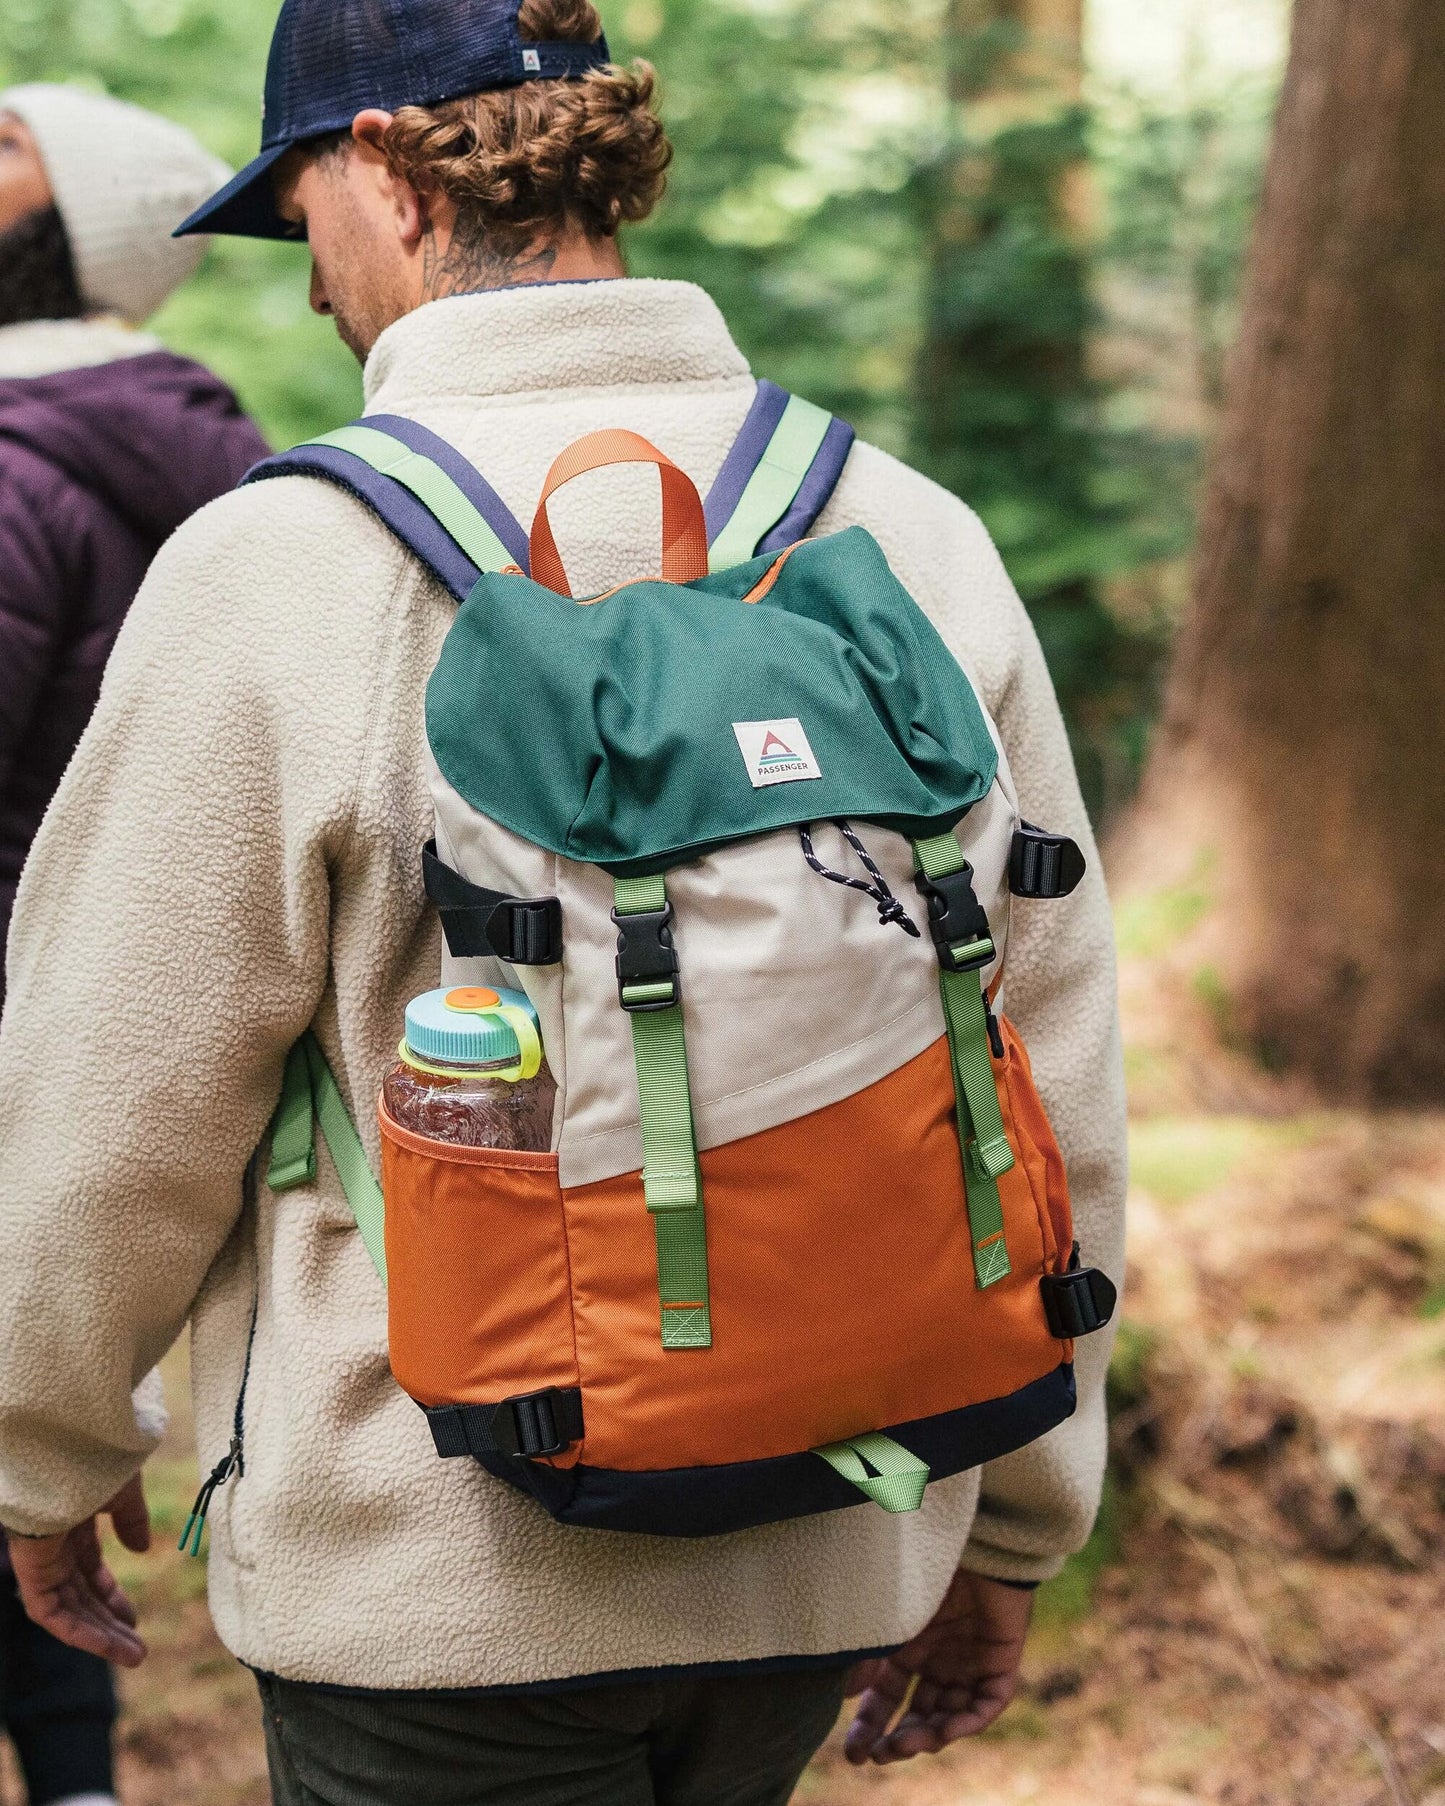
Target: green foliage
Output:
[(1134, 1349), (1183, 184), (1150, 923), (1209, 988), (879, 237), (1176, 1159)]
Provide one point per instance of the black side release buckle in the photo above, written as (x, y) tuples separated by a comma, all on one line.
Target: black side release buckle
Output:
[(957, 921), (526, 1428), (488, 924), (1044, 865), (648, 975), (1078, 1302)]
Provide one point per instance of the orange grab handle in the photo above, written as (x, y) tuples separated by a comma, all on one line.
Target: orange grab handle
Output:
[(684, 524)]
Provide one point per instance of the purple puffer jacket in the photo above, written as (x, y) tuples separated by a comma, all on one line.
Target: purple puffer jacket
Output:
[(98, 467)]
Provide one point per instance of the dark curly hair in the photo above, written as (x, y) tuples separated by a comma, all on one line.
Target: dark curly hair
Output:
[(537, 159), (37, 271)]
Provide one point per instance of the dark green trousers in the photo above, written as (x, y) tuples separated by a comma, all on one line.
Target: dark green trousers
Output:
[(742, 1740)]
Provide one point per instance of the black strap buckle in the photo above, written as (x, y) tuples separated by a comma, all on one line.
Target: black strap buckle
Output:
[(527, 931), (539, 1423), (488, 924), (957, 921), (648, 975), (527, 1428), (1079, 1302), (1044, 865)]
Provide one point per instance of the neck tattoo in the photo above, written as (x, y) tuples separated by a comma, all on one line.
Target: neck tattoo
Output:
[(472, 261)]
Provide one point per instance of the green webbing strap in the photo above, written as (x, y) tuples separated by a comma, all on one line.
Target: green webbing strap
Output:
[(987, 1154), (898, 1479), (670, 1178), (431, 486), (774, 485), (310, 1096)]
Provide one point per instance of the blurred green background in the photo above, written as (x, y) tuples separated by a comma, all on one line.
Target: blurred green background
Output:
[(1022, 281)]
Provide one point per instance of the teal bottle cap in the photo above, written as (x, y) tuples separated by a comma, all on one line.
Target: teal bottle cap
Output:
[(468, 1026)]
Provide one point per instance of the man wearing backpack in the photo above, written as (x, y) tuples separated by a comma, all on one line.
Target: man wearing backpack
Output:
[(232, 864), (107, 443)]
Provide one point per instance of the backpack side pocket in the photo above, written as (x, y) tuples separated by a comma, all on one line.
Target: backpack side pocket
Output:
[(480, 1287)]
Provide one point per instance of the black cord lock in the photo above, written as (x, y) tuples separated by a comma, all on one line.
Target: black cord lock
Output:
[(957, 921), (648, 975)]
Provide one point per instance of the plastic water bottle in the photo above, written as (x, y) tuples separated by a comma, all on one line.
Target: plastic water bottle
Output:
[(471, 1072)]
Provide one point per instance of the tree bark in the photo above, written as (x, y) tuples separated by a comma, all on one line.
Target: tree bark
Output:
[(1309, 686)]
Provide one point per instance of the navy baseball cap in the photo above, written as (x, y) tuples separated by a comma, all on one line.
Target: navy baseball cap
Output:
[(333, 59)]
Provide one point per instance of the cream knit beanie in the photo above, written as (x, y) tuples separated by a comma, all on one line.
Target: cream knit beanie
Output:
[(122, 179)]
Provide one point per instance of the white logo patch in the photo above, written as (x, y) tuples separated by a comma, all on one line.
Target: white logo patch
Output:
[(532, 61), (776, 752)]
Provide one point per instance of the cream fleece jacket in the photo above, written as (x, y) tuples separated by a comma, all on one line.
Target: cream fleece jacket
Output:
[(233, 857)]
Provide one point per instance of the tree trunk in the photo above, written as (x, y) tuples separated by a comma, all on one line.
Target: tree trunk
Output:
[(1309, 686)]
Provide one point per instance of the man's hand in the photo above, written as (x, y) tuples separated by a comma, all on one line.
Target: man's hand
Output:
[(967, 1664), (68, 1590)]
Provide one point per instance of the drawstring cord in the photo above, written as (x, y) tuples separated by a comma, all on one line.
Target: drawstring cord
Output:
[(890, 910)]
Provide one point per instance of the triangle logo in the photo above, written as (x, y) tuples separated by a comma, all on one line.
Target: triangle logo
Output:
[(776, 752)]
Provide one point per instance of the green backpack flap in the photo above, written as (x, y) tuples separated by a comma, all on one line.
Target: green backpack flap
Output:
[(649, 693)]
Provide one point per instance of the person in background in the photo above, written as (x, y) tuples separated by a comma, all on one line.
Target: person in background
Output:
[(107, 443)]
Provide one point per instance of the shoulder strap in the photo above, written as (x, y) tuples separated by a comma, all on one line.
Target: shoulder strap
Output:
[(777, 479), (774, 483), (311, 1099), (431, 497)]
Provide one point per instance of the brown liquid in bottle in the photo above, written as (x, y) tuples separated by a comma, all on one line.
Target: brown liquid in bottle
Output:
[(471, 1107)]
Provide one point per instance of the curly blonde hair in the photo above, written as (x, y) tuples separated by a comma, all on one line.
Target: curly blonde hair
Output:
[(532, 161)]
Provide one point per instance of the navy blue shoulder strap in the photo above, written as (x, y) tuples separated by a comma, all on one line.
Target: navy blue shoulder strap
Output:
[(774, 483), (431, 497), (777, 479)]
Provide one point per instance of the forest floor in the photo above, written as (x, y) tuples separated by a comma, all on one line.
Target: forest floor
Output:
[(1258, 1620)]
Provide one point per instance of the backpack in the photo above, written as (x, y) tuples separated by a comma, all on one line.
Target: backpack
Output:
[(746, 837)]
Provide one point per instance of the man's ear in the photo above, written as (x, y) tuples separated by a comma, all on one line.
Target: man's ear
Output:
[(405, 205)]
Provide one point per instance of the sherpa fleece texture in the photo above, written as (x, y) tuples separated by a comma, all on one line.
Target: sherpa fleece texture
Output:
[(233, 857)]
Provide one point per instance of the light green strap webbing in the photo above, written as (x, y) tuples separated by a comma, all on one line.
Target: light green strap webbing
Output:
[(987, 1154), (431, 486), (293, 1128), (670, 1178), (310, 1097), (774, 485), (898, 1477)]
